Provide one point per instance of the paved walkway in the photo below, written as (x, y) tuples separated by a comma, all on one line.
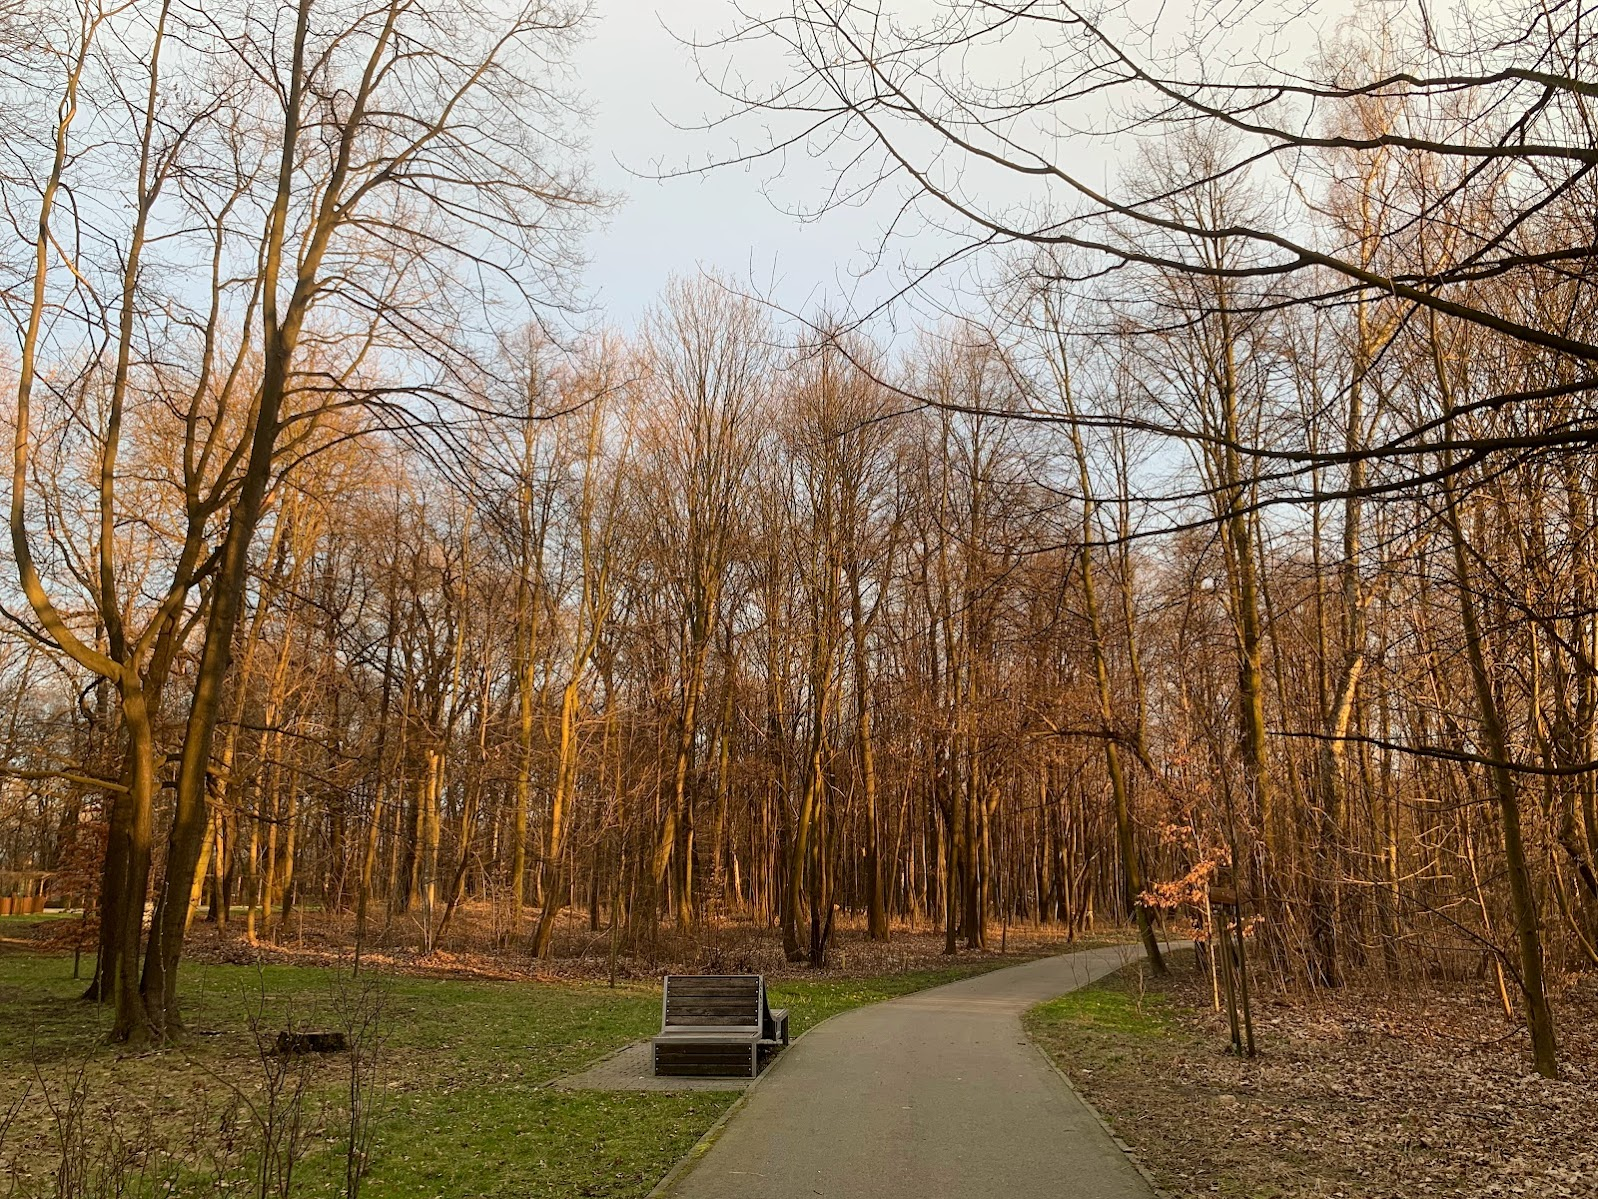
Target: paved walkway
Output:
[(937, 1095)]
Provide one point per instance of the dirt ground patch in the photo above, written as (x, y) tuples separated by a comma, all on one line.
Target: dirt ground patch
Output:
[(1352, 1096)]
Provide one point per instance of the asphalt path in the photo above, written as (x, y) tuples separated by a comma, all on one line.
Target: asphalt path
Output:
[(937, 1095)]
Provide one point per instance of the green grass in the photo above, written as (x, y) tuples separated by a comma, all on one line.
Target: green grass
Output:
[(464, 1106), (1107, 1010), (1121, 1027), (463, 1110), (809, 1003)]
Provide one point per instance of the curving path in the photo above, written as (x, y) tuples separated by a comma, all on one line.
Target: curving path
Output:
[(937, 1095)]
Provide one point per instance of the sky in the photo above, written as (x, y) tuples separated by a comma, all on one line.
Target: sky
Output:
[(642, 85), (639, 82)]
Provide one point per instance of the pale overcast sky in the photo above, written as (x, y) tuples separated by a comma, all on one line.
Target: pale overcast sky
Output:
[(638, 79)]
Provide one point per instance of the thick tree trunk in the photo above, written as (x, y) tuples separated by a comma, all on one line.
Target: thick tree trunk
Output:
[(134, 1021)]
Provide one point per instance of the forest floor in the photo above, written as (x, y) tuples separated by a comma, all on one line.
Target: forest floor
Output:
[(469, 1044), (1355, 1095), (475, 947)]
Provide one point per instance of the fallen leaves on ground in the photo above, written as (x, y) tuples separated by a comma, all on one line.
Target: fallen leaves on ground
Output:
[(1355, 1095), (478, 949)]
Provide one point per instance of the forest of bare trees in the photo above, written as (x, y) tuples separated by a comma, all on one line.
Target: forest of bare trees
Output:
[(1239, 522)]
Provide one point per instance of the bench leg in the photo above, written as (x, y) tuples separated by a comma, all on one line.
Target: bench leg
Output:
[(754, 1060)]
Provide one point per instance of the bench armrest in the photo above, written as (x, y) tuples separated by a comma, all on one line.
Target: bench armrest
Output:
[(779, 1024)]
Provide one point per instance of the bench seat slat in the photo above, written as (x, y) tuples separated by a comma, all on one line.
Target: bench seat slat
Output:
[(707, 982), (691, 985), (746, 1003), (732, 1022)]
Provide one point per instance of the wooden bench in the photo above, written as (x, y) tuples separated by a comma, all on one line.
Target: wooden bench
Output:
[(717, 1025)]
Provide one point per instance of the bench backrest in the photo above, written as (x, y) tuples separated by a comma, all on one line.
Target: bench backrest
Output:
[(713, 1000)]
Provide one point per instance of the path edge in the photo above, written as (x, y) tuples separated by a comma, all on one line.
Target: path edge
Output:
[(663, 1188), (1119, 1142), (684, 1164), (702, 1146)]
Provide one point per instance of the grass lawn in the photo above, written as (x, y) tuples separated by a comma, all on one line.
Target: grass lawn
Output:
[(1103, 1023), (463, 1109)]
